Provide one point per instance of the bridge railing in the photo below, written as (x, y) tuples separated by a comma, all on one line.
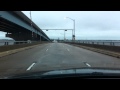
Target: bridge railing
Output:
[(97, 42), (2, 43)]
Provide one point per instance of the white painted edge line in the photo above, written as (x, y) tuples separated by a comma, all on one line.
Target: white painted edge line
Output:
[(47, 50), (88, 65), (30, 66)]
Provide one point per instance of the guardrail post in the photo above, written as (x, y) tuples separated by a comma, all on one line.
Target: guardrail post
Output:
[(5, 43), (113, 44), (110, 43)]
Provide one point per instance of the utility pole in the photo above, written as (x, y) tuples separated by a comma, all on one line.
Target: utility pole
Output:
[(74, 30)]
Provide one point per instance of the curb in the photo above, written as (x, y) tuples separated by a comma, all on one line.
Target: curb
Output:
[(2, 54), (106, 52)]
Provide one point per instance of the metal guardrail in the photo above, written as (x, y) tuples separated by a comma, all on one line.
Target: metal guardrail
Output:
[(98, 42), (2, 43), (8, 42)]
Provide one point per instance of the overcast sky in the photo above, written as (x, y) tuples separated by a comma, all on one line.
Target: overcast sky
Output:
[(103, 25)]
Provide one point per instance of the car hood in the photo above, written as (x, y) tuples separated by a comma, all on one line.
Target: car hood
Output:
[(88, 71)]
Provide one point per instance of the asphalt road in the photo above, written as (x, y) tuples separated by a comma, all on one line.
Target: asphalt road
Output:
[(53, 56)]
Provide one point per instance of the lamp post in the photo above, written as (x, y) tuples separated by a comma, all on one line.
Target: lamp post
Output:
[(73, 32)]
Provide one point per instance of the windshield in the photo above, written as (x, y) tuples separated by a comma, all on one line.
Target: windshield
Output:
[(37, 41)]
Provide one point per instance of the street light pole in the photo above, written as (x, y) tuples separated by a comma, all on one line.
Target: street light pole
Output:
[(73, 32), (64, 35)]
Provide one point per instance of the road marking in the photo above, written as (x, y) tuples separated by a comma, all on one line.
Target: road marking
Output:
[(47, 50), (88, 65), (68, 49), (30, 66)]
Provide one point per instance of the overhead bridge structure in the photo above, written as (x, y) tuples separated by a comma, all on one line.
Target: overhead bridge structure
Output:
[(18, 26)]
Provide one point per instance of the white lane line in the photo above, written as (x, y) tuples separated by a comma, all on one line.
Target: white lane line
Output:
[(68, 49), (88, 64), (47, 50), (30, 66)]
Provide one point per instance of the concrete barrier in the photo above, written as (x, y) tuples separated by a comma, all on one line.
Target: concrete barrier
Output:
[(103, 47), (5, 53), (17, 46), (103, 51)]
